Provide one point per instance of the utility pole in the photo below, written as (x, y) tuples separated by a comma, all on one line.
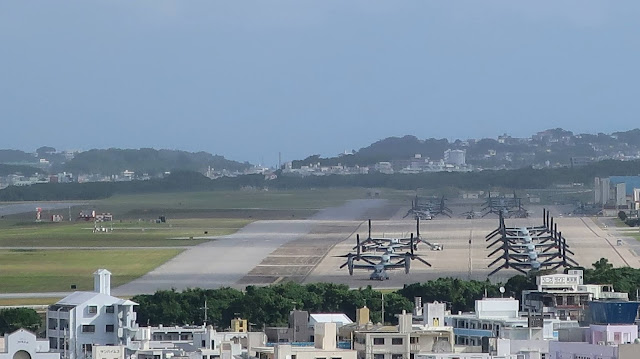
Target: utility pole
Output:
[(382, 308), (470, 261), (205, 308)]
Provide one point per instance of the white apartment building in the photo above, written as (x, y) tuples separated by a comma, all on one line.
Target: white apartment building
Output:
[(83, 319)]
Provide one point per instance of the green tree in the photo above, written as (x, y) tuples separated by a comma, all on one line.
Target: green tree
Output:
[(16, 318)]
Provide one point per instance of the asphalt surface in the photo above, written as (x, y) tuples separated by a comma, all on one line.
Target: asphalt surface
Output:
[(272, 251), (225, 261)]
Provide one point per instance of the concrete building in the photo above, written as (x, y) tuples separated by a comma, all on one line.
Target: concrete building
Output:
[(565, 296), (22, 344), (298, 329), (83, 319), (621, 195), (196, 342), (405, 340), (602, 190), (324, 347), (500, 318), (455, 157)]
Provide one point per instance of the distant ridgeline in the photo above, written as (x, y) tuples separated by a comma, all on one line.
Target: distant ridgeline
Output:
[(113, 161), (146, 160), (524, 178), (553, 146)]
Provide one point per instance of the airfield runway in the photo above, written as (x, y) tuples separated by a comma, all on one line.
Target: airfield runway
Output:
[(303, 251), (263, 252)]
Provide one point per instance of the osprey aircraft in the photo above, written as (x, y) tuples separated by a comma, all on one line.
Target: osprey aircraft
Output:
[(530, 248), (390, 259)]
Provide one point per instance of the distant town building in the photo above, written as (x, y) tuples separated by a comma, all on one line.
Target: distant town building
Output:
[(454, 157)]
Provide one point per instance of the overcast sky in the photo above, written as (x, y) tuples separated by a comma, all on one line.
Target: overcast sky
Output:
[(247, 79)]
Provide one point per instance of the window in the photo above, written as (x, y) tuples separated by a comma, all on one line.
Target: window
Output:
[(571, 300), (396, 356), (396, 341), (53, 343), (87, 348), (184, 336), (559, 300), (109, 309), (413, 340), (213, 344), (378, 356), (92, 309), (204, 343), (378, 341), (64, 324), (53, 323), (88, 328), (109, 328)]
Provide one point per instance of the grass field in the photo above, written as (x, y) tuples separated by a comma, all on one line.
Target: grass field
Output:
[(57, 270), (126, 233), (238, 204)]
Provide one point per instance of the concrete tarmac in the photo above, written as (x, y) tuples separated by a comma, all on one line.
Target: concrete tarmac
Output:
[(224, 261), (465, 253)]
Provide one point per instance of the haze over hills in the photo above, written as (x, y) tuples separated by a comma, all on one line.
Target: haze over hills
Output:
[(550, 148), (114, 161), (553, 147)]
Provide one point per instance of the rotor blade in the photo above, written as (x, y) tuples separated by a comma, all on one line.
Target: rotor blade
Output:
[(422, 260)]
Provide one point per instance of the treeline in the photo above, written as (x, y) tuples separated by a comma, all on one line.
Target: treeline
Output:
[(16, 318), (6, 170), (524, 178), (146, 160), (270, 306)]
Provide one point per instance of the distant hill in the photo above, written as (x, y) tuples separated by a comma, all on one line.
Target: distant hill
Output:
[(146, 160), (16, 156), (550, 147)]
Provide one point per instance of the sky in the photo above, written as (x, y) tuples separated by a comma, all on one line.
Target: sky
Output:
[(249, 79)]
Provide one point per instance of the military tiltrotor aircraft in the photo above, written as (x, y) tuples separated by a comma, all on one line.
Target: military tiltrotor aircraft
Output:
[(380, 263)]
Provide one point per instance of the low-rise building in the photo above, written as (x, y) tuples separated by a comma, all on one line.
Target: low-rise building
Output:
[(325, 346), (566, 296), (22, 344), (406, 340), (83, 319)]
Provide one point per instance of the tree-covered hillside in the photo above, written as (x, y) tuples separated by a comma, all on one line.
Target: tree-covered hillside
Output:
[(146, 160)]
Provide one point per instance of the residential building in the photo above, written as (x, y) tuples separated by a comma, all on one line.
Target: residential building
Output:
[(325, 346), (405, 340), (500, 318), (83, 319), (22, 344), (454, 157), (195, 341), (565, 295)]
